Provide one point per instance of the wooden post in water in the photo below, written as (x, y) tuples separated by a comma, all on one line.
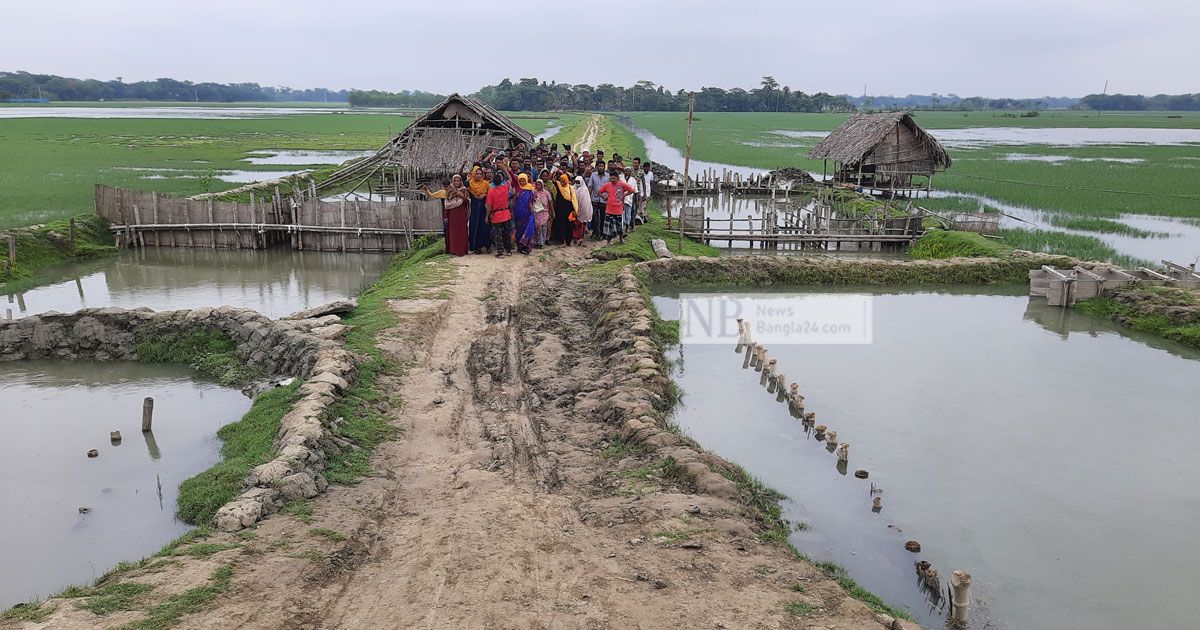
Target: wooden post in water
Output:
[(960, 583), (147, 414), (687, 163)]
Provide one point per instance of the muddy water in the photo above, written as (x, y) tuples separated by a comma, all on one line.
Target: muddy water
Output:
[(1045, 453), (51, 414), (975, 137), (275, 282)]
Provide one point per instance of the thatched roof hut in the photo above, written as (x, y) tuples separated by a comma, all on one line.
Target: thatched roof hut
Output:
[(460, 128), (886, 152)]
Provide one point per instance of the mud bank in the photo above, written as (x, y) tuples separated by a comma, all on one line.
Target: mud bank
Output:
[(301, 349), (768, 270)]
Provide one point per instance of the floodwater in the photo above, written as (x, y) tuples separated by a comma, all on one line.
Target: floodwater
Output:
[(275, 282), (976, 137), (299, 157), (658, 150), (53, 413), (1181, 243), (1036, 448)]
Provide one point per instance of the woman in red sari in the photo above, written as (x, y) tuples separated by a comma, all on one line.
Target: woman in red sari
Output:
[(457, 205)]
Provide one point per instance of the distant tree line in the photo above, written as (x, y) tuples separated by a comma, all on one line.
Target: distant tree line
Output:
[(1137, 103), (56, 88), (530, 94), (954, 102), (404, 98)]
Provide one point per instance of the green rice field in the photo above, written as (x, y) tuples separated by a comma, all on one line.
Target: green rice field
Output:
[(1095, 179), (49, 166)]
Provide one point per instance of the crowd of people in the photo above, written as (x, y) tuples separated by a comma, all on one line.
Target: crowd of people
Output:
[(538, 196)]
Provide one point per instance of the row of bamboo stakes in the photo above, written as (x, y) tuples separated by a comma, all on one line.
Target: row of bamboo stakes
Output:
[(777, 383)]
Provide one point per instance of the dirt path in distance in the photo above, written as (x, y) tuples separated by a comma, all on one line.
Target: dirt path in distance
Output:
[(589, 135)]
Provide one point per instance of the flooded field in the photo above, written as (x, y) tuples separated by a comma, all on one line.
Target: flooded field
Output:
[(163, 112), (1037, 448), (275, 282), (659, 150), (302, 157), (66, 518), (976, 137)]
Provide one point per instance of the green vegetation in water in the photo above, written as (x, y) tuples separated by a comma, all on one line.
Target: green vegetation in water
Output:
[(1079, 246), (412, 274), (1170, 312), (244, 445), (207, 351), (936, 244), (1097, 224), (1084, 184), (40, 248)]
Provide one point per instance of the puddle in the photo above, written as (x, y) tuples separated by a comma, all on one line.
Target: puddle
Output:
[(995, 451), (54, 412), (275, 282), (303, 157)]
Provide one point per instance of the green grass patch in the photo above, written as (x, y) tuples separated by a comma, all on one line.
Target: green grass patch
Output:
[(32, 612), (1079, 246), (327, 533), (838, 574), (799, 609), (299, 508), (411, 275), (109, 598), (619, 448), (637, 245), (193, 600), (42, 248), (1170, 312), (209, 352), (204, 550), (679, 535), (936, 244), (244, 445)]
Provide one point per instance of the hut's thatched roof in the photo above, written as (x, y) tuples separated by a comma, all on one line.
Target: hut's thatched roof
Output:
[(856, 137), (471, 109)]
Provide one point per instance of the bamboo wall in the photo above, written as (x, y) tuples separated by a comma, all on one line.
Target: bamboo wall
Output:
[(148, 219)]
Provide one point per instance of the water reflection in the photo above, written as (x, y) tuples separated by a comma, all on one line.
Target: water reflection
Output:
[(275, 282), (51, 414), (988, 438)]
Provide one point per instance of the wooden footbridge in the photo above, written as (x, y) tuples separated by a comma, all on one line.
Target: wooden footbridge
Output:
[(789, 226), (1064, 287), (300, 219)]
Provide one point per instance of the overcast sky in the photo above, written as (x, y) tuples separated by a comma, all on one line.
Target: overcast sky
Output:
[(1018, 48)]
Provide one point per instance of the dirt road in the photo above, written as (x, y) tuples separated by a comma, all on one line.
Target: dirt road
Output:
[(589, 135), (508, 500)]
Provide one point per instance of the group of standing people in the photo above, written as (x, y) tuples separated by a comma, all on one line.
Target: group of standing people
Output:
[(538, 196)]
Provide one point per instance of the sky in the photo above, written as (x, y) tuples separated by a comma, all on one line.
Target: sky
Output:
[(1010, 48)]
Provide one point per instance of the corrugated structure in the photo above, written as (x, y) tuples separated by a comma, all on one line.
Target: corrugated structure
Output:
[(888, 153), (459, 129)]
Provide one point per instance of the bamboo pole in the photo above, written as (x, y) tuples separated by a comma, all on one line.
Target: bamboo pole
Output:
[(687, 163)]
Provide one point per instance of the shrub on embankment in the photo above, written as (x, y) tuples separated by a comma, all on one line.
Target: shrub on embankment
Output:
[(1171, 312), (43, 246), (942, 244), (767, 270)]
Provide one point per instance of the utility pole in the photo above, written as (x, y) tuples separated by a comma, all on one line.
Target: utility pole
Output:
[(1103, 92), (687, 163)]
